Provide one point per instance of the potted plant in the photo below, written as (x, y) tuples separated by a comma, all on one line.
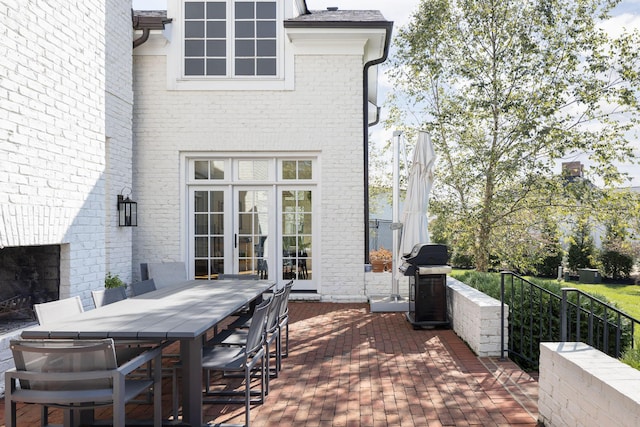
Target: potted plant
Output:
[(113, 281), (381, 259)]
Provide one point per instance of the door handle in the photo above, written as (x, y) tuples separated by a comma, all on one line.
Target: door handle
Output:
[(235, 240)]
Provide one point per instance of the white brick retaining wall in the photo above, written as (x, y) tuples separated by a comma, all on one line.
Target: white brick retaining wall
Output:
[(475, 317), (581, 386), (380, 285)]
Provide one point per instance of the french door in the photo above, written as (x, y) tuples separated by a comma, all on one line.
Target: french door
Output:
[(252, 223), (264, 231), (230, 230), (252, 216)]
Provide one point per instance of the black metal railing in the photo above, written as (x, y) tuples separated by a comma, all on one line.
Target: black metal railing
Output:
[(608, 329), (534, 317), (537, 315)]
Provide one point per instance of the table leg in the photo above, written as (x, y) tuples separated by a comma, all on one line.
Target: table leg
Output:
[(191, 354)]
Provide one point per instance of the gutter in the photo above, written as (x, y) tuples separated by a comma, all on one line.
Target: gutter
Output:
[(365, 131), (146, 23)]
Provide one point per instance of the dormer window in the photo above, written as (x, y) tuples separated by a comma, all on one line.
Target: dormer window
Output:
[(230, 39)]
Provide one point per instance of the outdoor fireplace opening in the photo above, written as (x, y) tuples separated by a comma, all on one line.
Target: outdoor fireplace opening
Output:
[(28, 275)]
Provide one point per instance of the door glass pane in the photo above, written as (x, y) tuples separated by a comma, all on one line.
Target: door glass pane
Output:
[(304, 169), (201, 223), (297, 235), (217, 201), (208, 169), (289, 169), (253, 231), (297, 169), (201, 248), (201, 201), (208, 234), (201, 169), (217, 223), (253, 170)]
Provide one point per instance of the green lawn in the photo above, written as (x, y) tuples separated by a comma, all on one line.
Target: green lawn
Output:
[(626, 297)]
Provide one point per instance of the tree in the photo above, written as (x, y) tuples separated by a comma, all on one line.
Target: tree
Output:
[(507, 88), (618, 253), (581, 247), (551, 251)]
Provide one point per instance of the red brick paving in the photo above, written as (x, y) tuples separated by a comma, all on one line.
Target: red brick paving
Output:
[(349, 367)]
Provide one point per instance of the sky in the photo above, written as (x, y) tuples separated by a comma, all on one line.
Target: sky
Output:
[(626, 14)]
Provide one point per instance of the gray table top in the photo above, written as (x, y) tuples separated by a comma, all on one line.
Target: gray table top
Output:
[(184, 311)]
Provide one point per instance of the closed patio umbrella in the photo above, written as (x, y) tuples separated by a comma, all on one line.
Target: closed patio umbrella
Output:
[(416, 203)]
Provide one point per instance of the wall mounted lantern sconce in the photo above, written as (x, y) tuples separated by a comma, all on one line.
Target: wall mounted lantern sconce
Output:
[(127, 211)]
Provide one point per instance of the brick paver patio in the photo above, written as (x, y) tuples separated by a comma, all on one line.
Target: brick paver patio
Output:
[(350, 367)]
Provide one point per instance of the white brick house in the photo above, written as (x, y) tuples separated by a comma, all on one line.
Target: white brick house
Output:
[(262, 109), (241, 131)]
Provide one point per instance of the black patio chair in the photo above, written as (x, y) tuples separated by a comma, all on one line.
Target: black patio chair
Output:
[(78, 375), (239, 336), (142, 287), (167, 273), (244, 359), (108, 296)]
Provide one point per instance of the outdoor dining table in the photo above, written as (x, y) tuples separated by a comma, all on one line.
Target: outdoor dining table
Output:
[(184, 312)]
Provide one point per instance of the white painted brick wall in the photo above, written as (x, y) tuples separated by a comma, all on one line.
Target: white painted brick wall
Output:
[(119, 135), (475, 317), (323, 113), (52, 96), (62, 91), (580, 386), (381, 284)]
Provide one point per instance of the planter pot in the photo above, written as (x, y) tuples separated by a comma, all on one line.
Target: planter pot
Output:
[(377, 266)]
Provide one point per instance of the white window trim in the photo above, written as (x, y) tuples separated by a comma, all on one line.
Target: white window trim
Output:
[(187, 158), (175, 58), (186, 182)]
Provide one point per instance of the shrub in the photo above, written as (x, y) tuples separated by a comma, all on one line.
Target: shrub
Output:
[(581, 248), (461, 260), (616, 265), (631, 357), (113, 281)]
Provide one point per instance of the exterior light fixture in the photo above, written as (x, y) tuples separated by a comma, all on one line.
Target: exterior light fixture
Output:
[(127, 211)]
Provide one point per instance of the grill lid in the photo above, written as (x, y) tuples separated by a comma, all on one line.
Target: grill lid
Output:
[(427, 254)]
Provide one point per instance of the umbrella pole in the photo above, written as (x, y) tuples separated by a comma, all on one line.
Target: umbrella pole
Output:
[(394, 302), (395, 292)]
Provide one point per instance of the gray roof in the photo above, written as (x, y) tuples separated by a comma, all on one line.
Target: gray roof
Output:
[(319, 18), (151, 13), (340, 16)]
